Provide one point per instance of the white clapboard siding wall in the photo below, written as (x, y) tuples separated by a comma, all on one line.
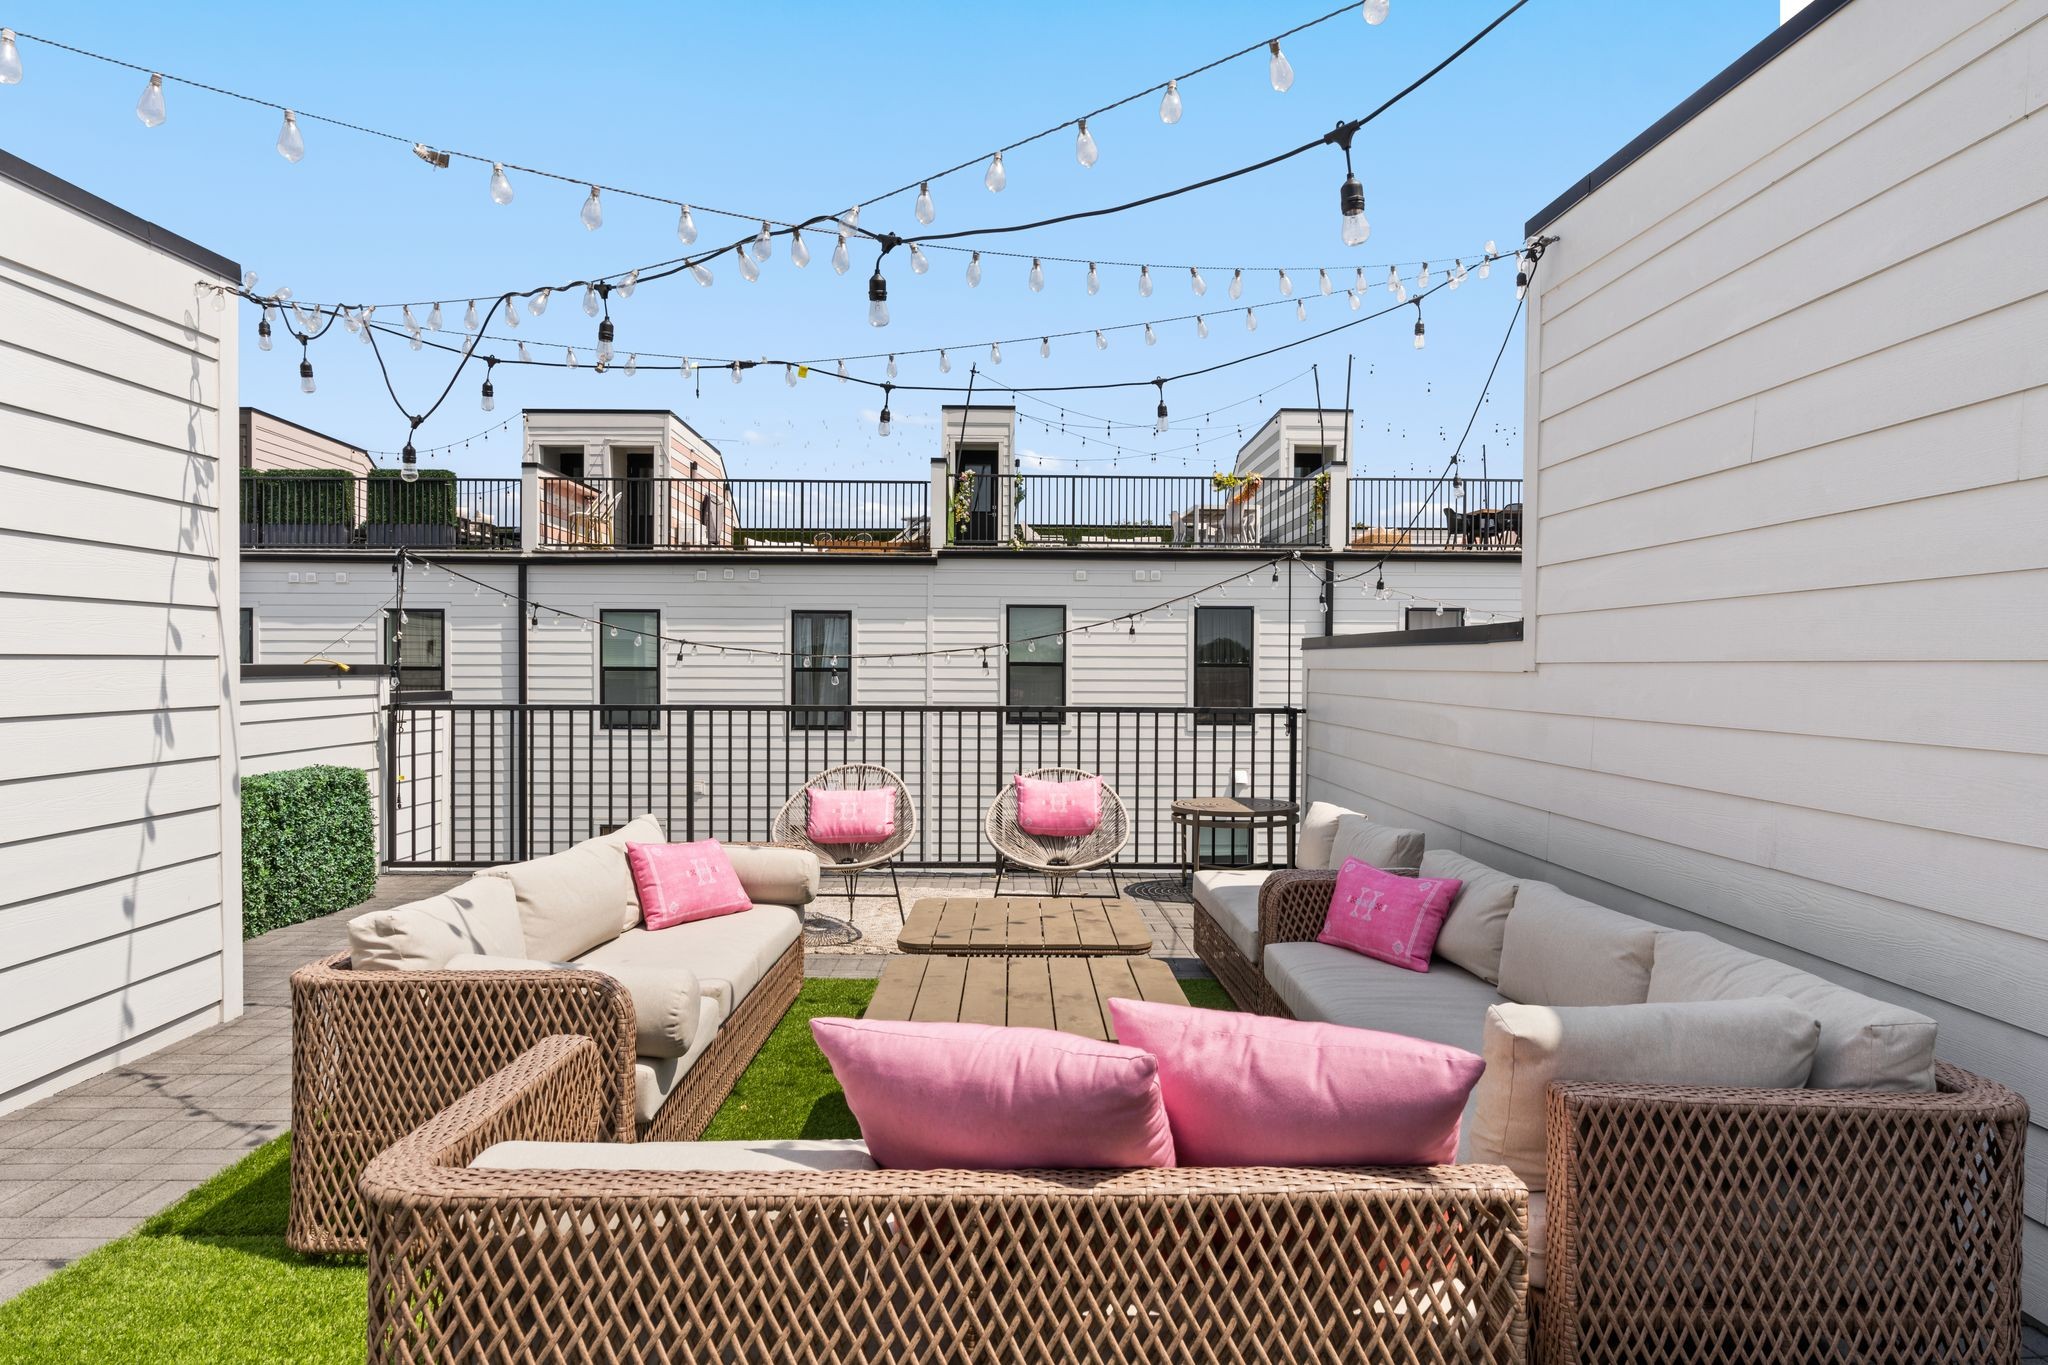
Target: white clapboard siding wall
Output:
[(1784, 671), (298, 722), (120, 899)]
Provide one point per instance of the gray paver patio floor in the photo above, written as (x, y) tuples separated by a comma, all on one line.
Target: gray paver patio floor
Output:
[(91, 1163)]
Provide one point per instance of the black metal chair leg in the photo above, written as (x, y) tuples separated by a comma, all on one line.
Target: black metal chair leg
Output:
[(901, 916)]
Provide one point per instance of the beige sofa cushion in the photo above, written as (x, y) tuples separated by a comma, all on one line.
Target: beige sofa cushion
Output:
[(1560, 950), (479, 916), (1865, 1044), (1312, 838), (655, 1078), (665, 991), (1334, 985), (775, 876), (1230, 896), (569, 902), (1472, 933), (727, 954), (493, 962), (1767, 1042), (1383, 846), (801, 1154)]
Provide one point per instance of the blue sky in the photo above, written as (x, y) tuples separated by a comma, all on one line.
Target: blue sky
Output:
[(796, 110)]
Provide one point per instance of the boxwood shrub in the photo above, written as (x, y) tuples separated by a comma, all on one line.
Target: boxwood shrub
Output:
[(309, 845), (298, 497), (393, 501)]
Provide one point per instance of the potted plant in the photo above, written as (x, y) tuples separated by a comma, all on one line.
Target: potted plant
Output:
[(293, 507), (422, 513)]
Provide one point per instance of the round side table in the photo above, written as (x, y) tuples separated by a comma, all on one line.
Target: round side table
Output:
[(1191, 814)]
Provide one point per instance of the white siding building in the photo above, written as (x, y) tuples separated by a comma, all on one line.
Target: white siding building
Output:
[(120, 837), (1785, 661)]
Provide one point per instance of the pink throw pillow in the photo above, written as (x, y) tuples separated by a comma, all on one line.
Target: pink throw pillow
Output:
[(683, 882), (1059, 809), (850, 817), (976, 1097), (1247, 1090), (1394, 919)]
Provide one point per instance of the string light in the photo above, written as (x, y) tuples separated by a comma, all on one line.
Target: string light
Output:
[(1279, 70), (799, 250), (974, 271), (501, 188), (1196, 283), (883, 425), (150, 108), (764, 245), (1169, 104), (686, 226), (918, 264), (593, 212), (1418, 325), (490, 395), (995, 353), (10, 58), (1375, 11), (1237, 284), (1151, 337), (1144, 281), (878, 298), (945, 365), (1085, 150), (1094, 280), (1036, 279), (291, 144), (1045, 348), (924, 210), (469, 317), (1251, 321), (997, 177)]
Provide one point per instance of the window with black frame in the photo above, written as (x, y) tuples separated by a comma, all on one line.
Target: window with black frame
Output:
[(820, 673), (248, 635), (1035, 671), (1223, 665), (629, 669), (416, 639), (1432, 618)]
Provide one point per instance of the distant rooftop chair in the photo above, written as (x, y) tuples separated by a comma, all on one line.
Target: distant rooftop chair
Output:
[(792, 826), (1053, 857), (591, 524)]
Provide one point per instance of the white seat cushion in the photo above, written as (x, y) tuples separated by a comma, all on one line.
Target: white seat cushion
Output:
[(1445, 1004), (1231, 897), (479, 916), (813, 1154), (665, 991), (727, 954), (655, 1078)]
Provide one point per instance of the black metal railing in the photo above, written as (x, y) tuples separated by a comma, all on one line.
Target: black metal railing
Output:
[(1136, 510), (334, 509), (1432, 514), (849, 515), (472, 784)]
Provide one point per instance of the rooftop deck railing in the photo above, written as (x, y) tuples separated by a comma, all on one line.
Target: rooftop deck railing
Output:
[(1135, 510), (1433, 514), (772, 515)]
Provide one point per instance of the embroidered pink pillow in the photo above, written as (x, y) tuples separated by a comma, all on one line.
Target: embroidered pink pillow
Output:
[(1247, 1090), (942, 1096), (1394, 919), (683, 882), (1058, 809), (850, 817)]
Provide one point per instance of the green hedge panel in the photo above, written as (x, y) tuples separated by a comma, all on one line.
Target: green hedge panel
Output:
[(309, 845)]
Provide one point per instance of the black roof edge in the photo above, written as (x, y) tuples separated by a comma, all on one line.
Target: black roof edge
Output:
[(1491, 633), (1730, 76), (35, 178)]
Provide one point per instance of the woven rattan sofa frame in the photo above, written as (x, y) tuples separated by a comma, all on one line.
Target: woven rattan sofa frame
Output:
[(1052, 857), (1397, 1266), (1674, 1234), (792, 827), (376, 1054)]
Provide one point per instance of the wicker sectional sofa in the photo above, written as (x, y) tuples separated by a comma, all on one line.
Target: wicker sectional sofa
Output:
[(434, 997), (1874, 1215), (503, 1230)]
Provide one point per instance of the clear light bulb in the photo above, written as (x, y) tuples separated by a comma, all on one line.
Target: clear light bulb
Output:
[(1085, 150), (799, 253), (569, 357), (849, 221), (511, 313), (1237, 284), (624, 289), (1485, 267), (1457, 273), (1251, 321), (789, 375), (974, 270), (1422, 279), (890, 368), (263, 331), (882, 427), (501, 188), (305, 376), (1323, 282), (1160, 425), (632, 364), (408, 472), (748, 270), (1358, 284), (468, 317), (593, 212), (591, 307), (1375, 11), (995, 353), (686, 226), (1418, 329), (1036, 279), (924, 210), (1202, 328), (1393, 279), (1352, 294), (1094, 279), (1045, 348), (1286, 285), (1278, 68), (1101, 341), (738, 370), (945, 363), (1169, 103), (411, 323), (540, 302), (997, 177), (605, 333), (291, 144), (918, 263), (841, 371), (150, 108), (841, 261), (1301, 310), (490, 398), (1144, 281), (1199, 285), (10, 58), (525, 356), (878, 299), (701, 273), (764, 244), (1151, 337)]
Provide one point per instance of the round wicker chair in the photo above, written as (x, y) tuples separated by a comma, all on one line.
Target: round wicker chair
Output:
[(792, 826), (1055, 858)]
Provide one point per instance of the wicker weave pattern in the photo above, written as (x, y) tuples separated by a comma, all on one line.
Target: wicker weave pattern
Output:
[(1056, 857), (1247, 986), (792, 822), (1781, 1227), (1293, 906), (374, 1054), (835, 1268)]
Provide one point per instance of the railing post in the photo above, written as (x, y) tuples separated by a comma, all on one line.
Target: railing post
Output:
[(1293, 778), (690, 775), (529, 507), (1337, 509), (941, 510)]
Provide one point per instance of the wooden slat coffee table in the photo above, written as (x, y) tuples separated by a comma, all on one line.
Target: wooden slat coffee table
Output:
[(1024, 924), (1064, 993)]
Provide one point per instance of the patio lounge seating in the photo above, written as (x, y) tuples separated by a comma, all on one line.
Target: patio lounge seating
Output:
[(1875, 1219), (1053, 857), (435, 996), (792, 826), (500, 1233)]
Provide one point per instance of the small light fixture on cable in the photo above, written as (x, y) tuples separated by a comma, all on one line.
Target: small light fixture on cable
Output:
[(878, 299), (10, 58), (1160, 425), (593, 212), (749, 271), (1169, 103), (1419, 343), (490, 398), (150, 108), (882, 427), (305, 368), (408, 458), (291, 143), (997, 177), (924, 210), (1278, 69), (764, 243), (974, 270), (263, 329), (501, 188), (1036, 279), (799, 253), (1085, 150)]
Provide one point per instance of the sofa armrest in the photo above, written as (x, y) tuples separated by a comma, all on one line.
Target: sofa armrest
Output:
[(1891, 1217), (773, 875), (1293, 906)]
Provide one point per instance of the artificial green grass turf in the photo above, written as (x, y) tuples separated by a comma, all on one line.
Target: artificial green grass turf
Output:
[(210, 1278)]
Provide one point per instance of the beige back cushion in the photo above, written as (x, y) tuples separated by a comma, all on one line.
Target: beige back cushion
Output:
[(1764, 1043), (570, 902), (1312, 839), (775, 876), (1560, 950), (1472, 934), (479, 916), (1865, 1044), (1383, 846)]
